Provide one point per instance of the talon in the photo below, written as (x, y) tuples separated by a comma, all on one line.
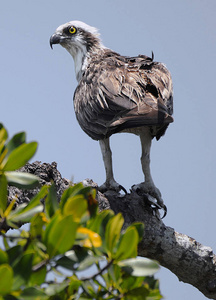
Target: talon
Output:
[(123, 189), (113, 186), (165, 211), (153, 195), (156, 206), (157, 213)]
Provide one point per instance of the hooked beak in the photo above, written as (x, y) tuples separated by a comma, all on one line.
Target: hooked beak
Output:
[(55, 39)]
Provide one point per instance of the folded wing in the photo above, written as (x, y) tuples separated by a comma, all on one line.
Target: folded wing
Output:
[(119, 93)]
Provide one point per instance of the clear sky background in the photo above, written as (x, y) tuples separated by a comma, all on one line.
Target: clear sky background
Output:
[(37, 87)]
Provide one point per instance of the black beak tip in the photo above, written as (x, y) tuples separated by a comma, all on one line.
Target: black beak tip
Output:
[(52, 41), (51, 45), (55, 39)]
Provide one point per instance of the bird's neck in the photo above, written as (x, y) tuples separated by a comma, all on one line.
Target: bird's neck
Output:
[(78, 52), (79, 63), (82, 57)]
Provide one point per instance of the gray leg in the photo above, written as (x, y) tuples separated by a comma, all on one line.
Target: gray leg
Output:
[(146, 139), (148, 186), (110, 183), (107, 158)]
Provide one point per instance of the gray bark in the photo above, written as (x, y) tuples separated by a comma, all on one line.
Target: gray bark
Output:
[(189, 260)]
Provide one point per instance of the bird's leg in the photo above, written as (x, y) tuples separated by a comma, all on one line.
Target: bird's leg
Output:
[(148, 186), (110, 183), (145, 158)]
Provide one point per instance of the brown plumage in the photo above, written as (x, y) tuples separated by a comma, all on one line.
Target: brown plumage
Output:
[(117, 94)]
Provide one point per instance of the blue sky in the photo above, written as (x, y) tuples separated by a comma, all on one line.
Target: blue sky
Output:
[(37, 87)]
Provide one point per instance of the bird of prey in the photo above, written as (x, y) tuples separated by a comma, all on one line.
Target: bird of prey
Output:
[(117, 93)]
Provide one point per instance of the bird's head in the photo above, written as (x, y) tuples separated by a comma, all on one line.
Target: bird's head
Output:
[(78, 39), (75, 34)]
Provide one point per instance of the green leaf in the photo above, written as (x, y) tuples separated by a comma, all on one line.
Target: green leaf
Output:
[(19, 156), (74, 285), (3, 138), (49, 226), (32, 293), (72, 191), (76, 206), (21, 179), (113, 231), (99, 222), (3, 257), (22, 270), (3, 134), (72, 258), (154, 295), (17, 140), (2, 153), (26, 215), (6, 275), (54, 289), (89, 292), (31, 208), (152, 282), (139, 266), (51, 203), (60, 235), (115, 276), (130, 237), (67, 262), (38, 277), (36, 200), (3, 193), (140, 293), (89, 261), (66, 194), (14, 254), (131, 282), (36, 225), (9, 297)]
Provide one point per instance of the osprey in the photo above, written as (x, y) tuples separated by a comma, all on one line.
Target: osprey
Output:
[(117, 93)]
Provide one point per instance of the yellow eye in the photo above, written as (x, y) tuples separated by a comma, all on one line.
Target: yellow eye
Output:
[(72, 30)]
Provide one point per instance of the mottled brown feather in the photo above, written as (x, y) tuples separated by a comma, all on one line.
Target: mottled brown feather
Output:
[(117, 93)]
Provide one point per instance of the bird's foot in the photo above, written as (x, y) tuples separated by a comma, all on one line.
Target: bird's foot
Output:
[(111, 185), (153, 193)]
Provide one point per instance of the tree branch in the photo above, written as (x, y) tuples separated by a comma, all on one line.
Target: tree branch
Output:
[(189, 260)]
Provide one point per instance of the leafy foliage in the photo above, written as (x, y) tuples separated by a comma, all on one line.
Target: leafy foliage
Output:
[(66, 238)]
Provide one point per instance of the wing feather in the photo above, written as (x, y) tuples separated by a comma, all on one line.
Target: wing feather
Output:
[(118, 93)]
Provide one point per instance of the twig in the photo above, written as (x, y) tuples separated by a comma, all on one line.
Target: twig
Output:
[(98, 273)]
